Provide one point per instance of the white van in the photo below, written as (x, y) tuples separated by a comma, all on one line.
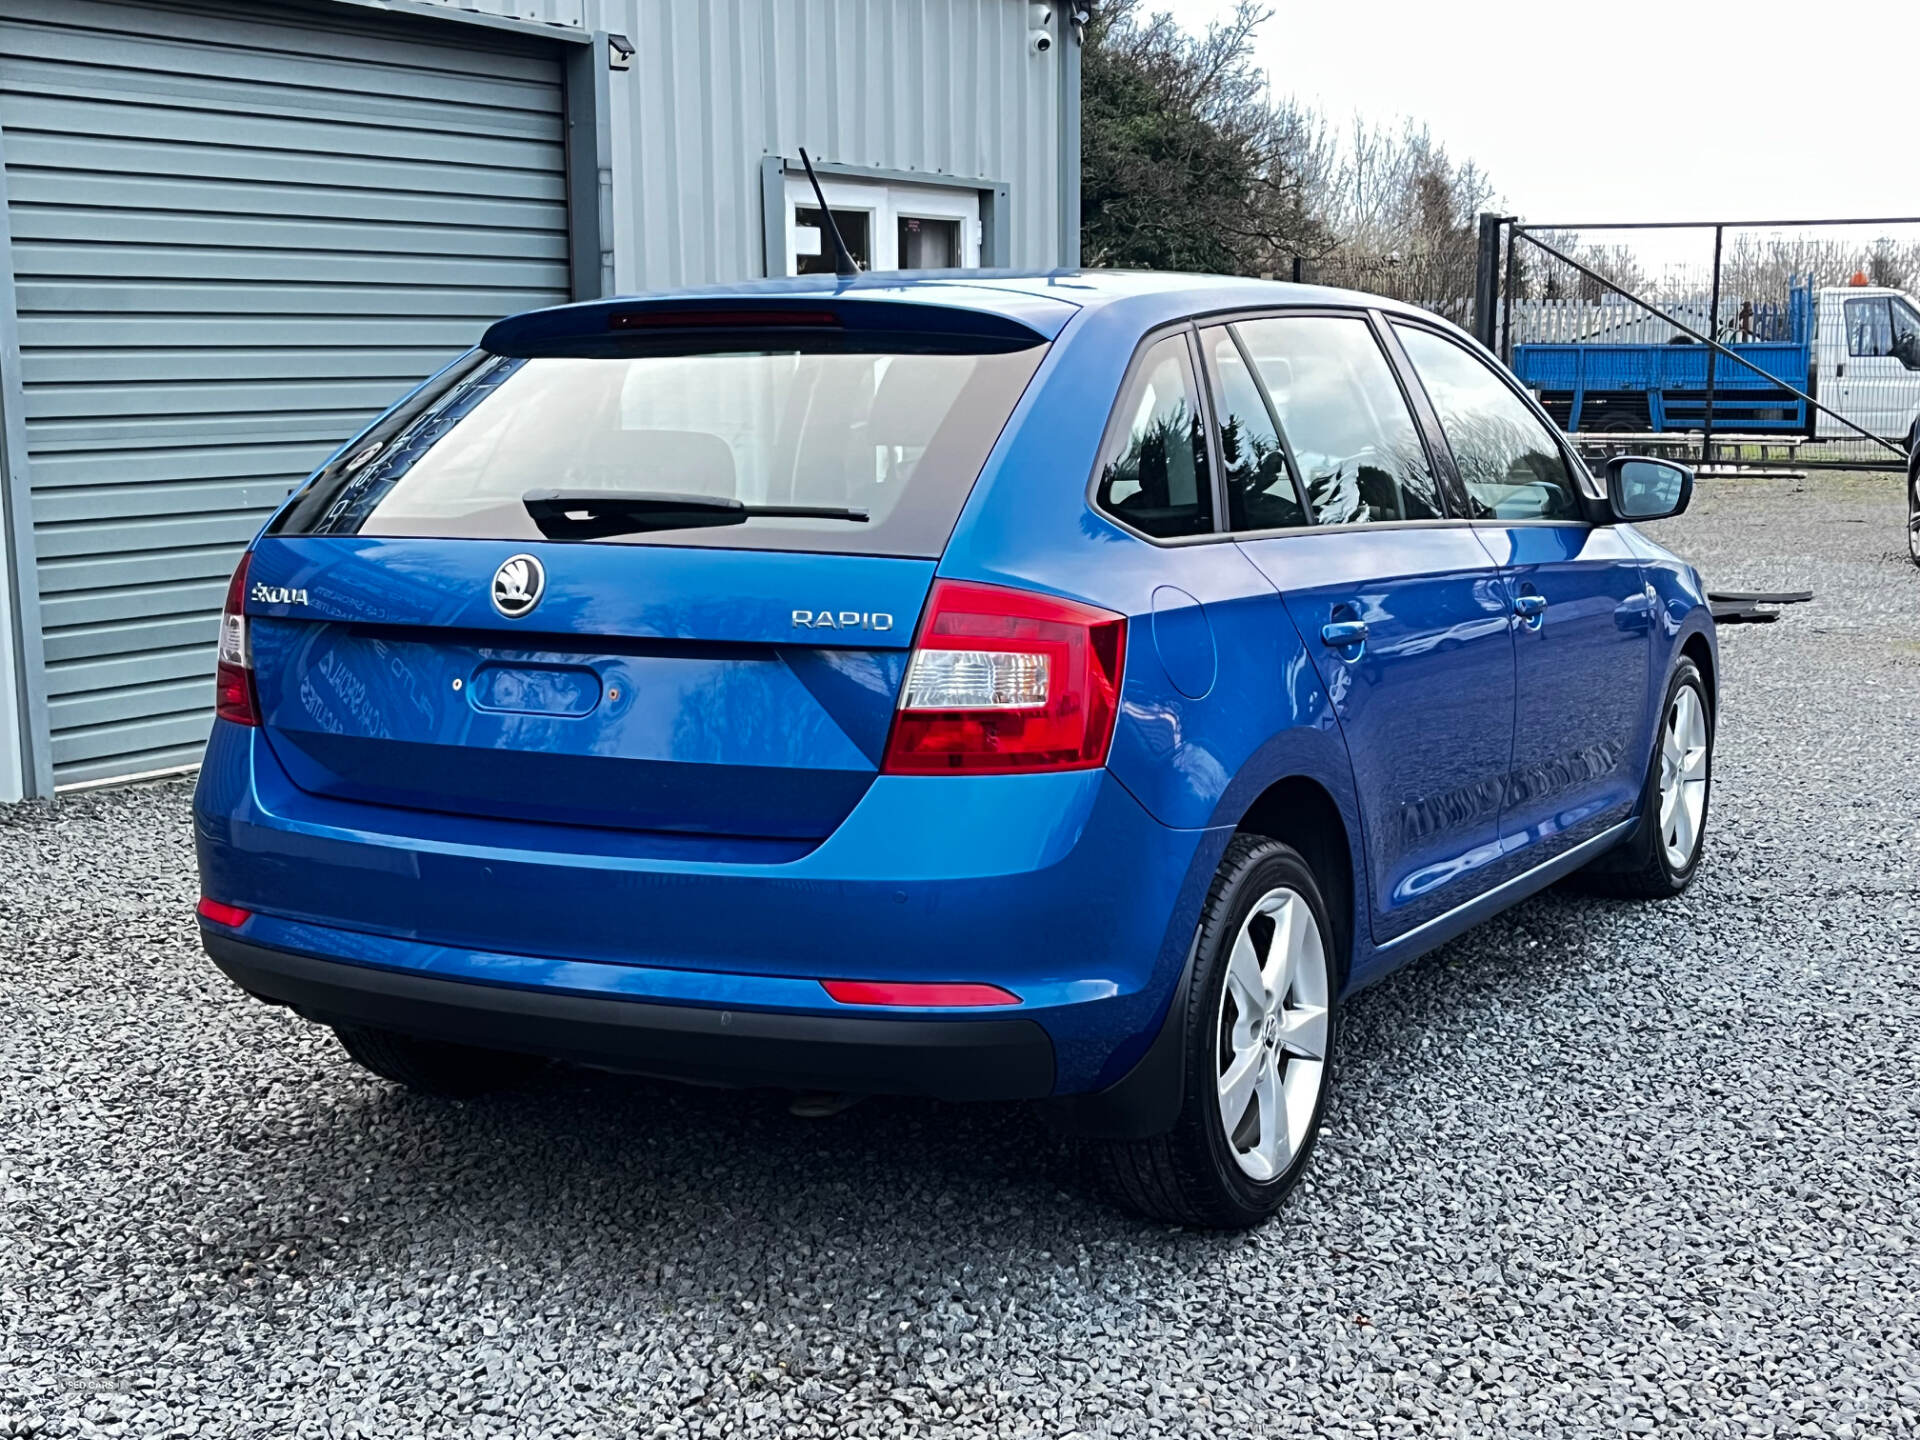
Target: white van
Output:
[(1866, 361)]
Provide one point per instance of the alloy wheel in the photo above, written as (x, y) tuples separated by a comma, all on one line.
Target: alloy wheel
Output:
[(1913, 518), (1273, 1033), (1683, 776)]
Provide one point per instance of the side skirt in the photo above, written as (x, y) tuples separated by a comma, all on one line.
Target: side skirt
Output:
[(1442, 928)]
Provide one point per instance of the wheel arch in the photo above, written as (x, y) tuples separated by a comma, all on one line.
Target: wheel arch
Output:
[(1699, 649), (1314, 813), (1298, 810)]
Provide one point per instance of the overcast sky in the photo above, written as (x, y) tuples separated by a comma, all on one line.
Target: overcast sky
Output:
[(1632, 109)]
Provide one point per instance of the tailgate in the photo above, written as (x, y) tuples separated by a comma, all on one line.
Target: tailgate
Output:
[(724, 692)]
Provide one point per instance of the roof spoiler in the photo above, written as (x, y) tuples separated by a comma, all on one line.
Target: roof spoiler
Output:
[(615, 326)]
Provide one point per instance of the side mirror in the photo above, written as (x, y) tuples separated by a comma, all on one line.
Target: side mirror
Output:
[(1639, 488)]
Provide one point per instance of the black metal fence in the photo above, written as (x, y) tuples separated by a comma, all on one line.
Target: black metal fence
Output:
[(1773, 343)]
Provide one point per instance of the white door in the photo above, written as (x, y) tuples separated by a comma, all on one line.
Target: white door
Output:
[(885, 227), (1879, 386), (1903, 393)]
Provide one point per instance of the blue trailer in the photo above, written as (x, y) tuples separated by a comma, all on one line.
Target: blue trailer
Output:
[(1648, 388)]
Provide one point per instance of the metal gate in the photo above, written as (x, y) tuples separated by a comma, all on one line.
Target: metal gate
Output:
[(234, 240), (1787, 345)]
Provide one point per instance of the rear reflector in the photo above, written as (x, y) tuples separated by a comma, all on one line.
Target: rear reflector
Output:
[(222, 914), (1005, 680), (902, 992), (233, 697)]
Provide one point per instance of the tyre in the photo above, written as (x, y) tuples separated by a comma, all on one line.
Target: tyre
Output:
[(1913, 514), (433, 1067), (1260, 1022), (1659, 859)]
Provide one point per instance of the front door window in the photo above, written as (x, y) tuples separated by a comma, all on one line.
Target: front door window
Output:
[(1906, 335), (1869, 329), (1509, 461)]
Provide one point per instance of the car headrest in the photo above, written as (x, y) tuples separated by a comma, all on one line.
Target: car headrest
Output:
[(687, 462), (913, 397)]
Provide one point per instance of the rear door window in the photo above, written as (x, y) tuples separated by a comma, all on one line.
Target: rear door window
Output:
[(889, 444), (1352, 436), (1153, 472), (1508, 459), (1260, 489)]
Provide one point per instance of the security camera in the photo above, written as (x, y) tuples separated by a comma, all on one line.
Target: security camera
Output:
[(1040, 36)]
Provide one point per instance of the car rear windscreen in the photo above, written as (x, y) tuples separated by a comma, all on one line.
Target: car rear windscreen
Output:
[(681, 449)]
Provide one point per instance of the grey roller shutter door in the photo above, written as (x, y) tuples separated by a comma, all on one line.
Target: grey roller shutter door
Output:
[(235, 240)]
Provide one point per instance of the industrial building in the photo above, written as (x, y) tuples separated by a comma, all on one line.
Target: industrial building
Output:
[(232, 231)]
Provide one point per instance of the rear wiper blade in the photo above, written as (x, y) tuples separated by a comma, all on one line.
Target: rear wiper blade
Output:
[(598, 514)]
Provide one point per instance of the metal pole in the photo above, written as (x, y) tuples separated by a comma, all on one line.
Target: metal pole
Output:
[(1486, 279), (1069, 33), (1506, 301), (1718, 348), (1713, 338)]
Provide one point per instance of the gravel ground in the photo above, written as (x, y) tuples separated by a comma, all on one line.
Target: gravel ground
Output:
[(1596, 1168)]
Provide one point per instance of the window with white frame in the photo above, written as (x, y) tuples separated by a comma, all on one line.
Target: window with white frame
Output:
[(885, 226)]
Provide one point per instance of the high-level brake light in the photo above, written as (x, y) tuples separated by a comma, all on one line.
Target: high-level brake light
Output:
[(1005, 680)]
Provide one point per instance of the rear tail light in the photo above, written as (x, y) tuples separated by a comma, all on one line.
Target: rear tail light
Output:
[(913, 992), (221, 914), (233, 675), (1004, 680)]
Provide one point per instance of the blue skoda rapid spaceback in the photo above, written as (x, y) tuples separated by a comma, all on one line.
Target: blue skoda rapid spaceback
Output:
[(1058, 687)]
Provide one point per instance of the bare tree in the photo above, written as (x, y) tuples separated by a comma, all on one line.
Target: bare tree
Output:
[(1191, 162), (1402, 215)]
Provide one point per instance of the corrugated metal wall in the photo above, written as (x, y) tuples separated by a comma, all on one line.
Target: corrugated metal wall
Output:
[(949, 87), (945, 86), (234, 242)]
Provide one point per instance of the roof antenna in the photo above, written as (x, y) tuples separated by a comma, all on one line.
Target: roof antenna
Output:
[(844, 264)]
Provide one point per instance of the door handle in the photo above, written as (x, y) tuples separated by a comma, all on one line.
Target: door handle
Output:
[(1342, 633), (1530, 606)]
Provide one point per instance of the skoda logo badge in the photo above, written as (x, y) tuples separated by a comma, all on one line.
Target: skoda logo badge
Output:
[(518, 586)]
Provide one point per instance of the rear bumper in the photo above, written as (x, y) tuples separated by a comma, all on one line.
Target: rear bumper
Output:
[(943, 1059), (1059, 888)]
